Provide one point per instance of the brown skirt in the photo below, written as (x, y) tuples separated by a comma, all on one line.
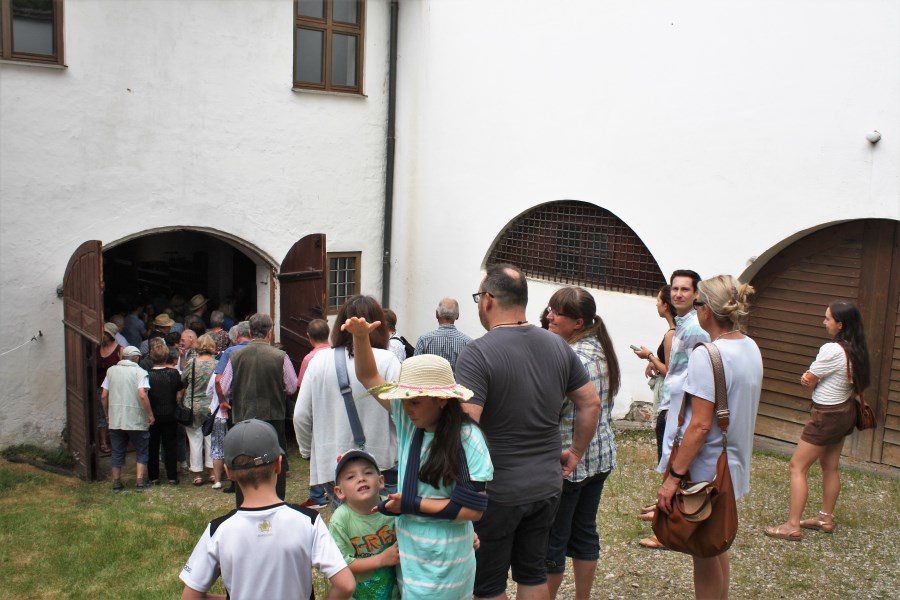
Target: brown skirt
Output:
[(829, 424)]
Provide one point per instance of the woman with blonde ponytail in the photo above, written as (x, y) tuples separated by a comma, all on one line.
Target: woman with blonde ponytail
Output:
[(722, 307)]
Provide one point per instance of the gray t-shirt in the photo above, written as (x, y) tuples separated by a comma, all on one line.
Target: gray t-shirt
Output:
[(520, 376)]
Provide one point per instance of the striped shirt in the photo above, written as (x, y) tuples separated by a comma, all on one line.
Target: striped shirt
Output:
[(687, 334), (600, 455), (830, 367), (444, 341)]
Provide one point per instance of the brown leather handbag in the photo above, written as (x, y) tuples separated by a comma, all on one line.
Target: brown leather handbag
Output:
[(703, 521), (865, 416)]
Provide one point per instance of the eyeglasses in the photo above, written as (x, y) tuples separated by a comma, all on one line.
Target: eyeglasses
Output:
[(477, 296), (552, 310), (697, 304)]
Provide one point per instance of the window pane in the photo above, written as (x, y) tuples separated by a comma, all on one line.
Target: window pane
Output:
[(32, 26), (311, 8), (345, 11), (343, 60), (309, 55)]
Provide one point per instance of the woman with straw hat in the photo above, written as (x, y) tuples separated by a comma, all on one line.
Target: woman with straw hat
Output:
[(444, 465)]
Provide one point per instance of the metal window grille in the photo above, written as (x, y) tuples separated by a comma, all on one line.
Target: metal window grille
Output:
[(579, 243), (343, 281)]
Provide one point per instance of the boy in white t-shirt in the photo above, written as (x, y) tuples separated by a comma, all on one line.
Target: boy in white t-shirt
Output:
[(266, 548), (366, 539)]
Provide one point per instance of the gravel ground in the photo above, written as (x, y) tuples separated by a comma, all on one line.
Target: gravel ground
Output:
[(859, 560)]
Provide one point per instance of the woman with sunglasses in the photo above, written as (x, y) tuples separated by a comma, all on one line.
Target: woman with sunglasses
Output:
[(722, 306), (841, 365), (572, 314)]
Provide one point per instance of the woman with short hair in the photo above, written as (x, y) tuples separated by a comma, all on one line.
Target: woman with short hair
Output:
[(722, 307), (841, 366), (196, 375)]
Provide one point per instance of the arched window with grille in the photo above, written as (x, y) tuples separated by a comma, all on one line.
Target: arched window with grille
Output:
[(579, 243)]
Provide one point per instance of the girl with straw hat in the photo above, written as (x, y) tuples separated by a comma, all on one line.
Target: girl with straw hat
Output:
[(444, 465)]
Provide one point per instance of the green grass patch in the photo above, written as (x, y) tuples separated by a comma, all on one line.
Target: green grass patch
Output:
[(64, 538)]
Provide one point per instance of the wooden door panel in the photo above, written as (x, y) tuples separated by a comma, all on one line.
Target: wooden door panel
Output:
[(303, 279), (83, 326)]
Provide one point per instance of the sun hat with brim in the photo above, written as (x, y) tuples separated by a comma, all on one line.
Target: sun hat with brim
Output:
[(110, 329), (163, 320), (255, 439), (130, 352), (424, 375), (197, 302)]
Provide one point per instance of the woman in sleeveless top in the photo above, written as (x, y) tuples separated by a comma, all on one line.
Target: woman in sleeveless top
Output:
[(109, 353), (840, 366)]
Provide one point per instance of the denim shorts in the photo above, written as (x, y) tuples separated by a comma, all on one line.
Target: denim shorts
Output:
[(513, 536), (119, 440), (574, 533)]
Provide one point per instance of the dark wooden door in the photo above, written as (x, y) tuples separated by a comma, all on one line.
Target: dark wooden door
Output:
[(83, 324), (303, 283), (858, 262)]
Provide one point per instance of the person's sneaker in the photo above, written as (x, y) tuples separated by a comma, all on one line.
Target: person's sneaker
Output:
[(313, 504), (229, 489), (217, 485), (142, 486), (117, 486)]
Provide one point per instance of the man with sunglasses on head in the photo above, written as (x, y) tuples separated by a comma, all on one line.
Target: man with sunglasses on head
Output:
[(688, 334), (520, 375)]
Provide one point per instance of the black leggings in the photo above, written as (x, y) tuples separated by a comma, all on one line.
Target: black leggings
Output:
[(660, 432), (165, 433)]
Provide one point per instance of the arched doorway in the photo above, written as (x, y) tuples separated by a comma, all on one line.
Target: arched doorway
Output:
[(161, 263), (857, 261)]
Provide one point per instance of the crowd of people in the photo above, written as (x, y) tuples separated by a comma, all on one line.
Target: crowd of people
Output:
[(456, 463)]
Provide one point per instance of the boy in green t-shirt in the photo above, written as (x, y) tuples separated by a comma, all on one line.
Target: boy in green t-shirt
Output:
[(366, 539)]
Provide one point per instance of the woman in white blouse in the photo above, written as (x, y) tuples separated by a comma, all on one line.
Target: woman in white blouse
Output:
[(841, 366)]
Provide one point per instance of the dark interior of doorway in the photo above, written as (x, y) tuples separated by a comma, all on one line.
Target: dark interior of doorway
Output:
[(154, 268)]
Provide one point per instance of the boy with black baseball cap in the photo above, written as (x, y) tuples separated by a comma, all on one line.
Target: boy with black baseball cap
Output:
[(266, 548)]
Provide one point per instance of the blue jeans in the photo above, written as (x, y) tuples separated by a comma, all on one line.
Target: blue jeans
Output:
[(574, 531), (317, 494)]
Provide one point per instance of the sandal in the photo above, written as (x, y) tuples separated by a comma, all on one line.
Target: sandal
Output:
[(104, 448), (818, 523), (652, 542), (648, 508), (198, 481), (792, 535), (647, 516)]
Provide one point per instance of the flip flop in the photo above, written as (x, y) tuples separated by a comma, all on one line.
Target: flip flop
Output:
[(198, 481), (648, 508), (653, 543), (647, 516), (793, 535)]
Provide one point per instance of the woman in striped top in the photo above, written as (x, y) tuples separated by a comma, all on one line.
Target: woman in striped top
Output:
[(841, 366)]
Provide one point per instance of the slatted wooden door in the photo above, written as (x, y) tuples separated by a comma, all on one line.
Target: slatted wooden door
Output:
[(83, 324), (858, 262), (303, 285)]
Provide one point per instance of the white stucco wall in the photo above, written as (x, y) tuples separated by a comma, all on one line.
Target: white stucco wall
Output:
[(171, 114), (715, 130)]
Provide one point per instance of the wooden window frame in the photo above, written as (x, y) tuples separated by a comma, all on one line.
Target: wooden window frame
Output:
[(328, 26), (357, 283), (6, 51)]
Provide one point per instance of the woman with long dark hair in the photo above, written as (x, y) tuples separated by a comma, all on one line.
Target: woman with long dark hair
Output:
[(841, 366), (572, 314), (444, 466)]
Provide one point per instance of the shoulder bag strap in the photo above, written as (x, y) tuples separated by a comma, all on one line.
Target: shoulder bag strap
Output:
[(722, 413), (340, 364), (850, 379)]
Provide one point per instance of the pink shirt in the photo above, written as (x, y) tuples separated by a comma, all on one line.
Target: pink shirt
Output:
[(308, 358)]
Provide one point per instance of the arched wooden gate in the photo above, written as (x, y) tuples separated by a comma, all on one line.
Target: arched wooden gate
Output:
[(858, 261)]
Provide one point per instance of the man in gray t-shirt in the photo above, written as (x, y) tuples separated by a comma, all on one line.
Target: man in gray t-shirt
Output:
[(520, 375)]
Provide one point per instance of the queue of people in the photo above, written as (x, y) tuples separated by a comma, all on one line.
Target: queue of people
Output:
[(453, 475)]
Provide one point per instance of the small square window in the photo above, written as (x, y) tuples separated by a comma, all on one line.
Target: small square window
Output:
[(32, 31), (343, 278)]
